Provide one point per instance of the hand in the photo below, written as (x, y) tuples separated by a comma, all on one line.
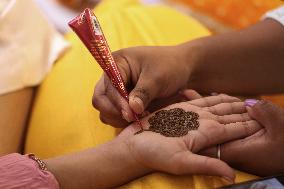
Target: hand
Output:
[(262, 153), (149, 73), (176, 155)]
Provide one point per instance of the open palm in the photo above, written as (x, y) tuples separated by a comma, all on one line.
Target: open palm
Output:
[(176, 155)]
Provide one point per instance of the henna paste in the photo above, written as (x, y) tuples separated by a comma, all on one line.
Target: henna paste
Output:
[(173, 123)]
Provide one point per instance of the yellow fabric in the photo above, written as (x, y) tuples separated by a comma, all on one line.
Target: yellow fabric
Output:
[(63, 119)]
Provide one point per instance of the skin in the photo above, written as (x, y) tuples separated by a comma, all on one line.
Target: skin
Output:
[(266, 144), (242, 153), (247, 62), (131, 156), (14, 111), (243, 54)]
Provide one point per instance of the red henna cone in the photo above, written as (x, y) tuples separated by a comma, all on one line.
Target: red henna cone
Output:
[(87, 27), (82, 28)]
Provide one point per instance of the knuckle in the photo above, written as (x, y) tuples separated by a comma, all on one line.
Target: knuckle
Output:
[(206, 101), (213, 124), (223, 97), (143, 94), (246, 128), (117, 55), (103, 119), (231, 107), (244, 117), (213, 110), (95, 102), (219, 119)]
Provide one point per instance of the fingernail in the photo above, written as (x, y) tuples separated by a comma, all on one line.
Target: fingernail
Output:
[(250, 102), (228, 180), (125, 115), (214, 94), (139, 106)]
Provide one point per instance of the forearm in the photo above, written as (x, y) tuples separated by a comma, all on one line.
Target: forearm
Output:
[(14, 111), (105, 166), (250, 61)]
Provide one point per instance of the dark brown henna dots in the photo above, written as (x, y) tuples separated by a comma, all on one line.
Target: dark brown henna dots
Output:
[(173, 123)]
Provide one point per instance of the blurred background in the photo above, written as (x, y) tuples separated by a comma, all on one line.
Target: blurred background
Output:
[(217, 15)]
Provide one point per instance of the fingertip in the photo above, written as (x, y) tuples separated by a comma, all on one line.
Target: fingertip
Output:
[(225, 171), (251, 102), (126, 116), (136, 104), (190, 94), (231, 176), (228, 180), (249, 110)]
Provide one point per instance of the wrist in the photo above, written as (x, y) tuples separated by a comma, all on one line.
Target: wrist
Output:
[(124, 153), (191, 56), (105, 166)]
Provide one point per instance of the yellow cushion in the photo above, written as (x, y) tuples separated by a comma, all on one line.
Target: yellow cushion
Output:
[(63, 119)]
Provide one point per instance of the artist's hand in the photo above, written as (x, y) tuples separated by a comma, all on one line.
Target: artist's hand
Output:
[(262, 153), (149, 73), (176, 154)]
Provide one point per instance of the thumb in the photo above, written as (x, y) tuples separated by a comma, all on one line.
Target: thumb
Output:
[(189, 163), (266, 113), (144, 92)]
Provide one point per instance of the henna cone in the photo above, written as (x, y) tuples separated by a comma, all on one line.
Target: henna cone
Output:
[(87, 27)]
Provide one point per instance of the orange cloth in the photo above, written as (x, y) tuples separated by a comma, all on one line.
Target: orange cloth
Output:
[(233, 13)]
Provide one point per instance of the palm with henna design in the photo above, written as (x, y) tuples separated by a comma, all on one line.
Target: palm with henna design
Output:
[(176, 155)]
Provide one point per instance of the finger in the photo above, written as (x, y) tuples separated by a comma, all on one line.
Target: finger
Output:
[(191, 94), (108, 112), (203, 114), (212, 133), (102, 102), (213, 100), (114, 121), (118, 101), (123, 65), (110, 116), (234, 150), (98, 92), (226, 119), (243, 153), (189, 163), (268, 114), (227, 108), (143, 93)]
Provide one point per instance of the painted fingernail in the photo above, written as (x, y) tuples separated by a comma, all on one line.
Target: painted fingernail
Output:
[(125, 115), (250, 102)]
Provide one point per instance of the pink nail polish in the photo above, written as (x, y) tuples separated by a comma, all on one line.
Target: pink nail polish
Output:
[(250, 102)]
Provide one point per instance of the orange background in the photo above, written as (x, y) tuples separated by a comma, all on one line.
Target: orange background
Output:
[(233, 13)]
